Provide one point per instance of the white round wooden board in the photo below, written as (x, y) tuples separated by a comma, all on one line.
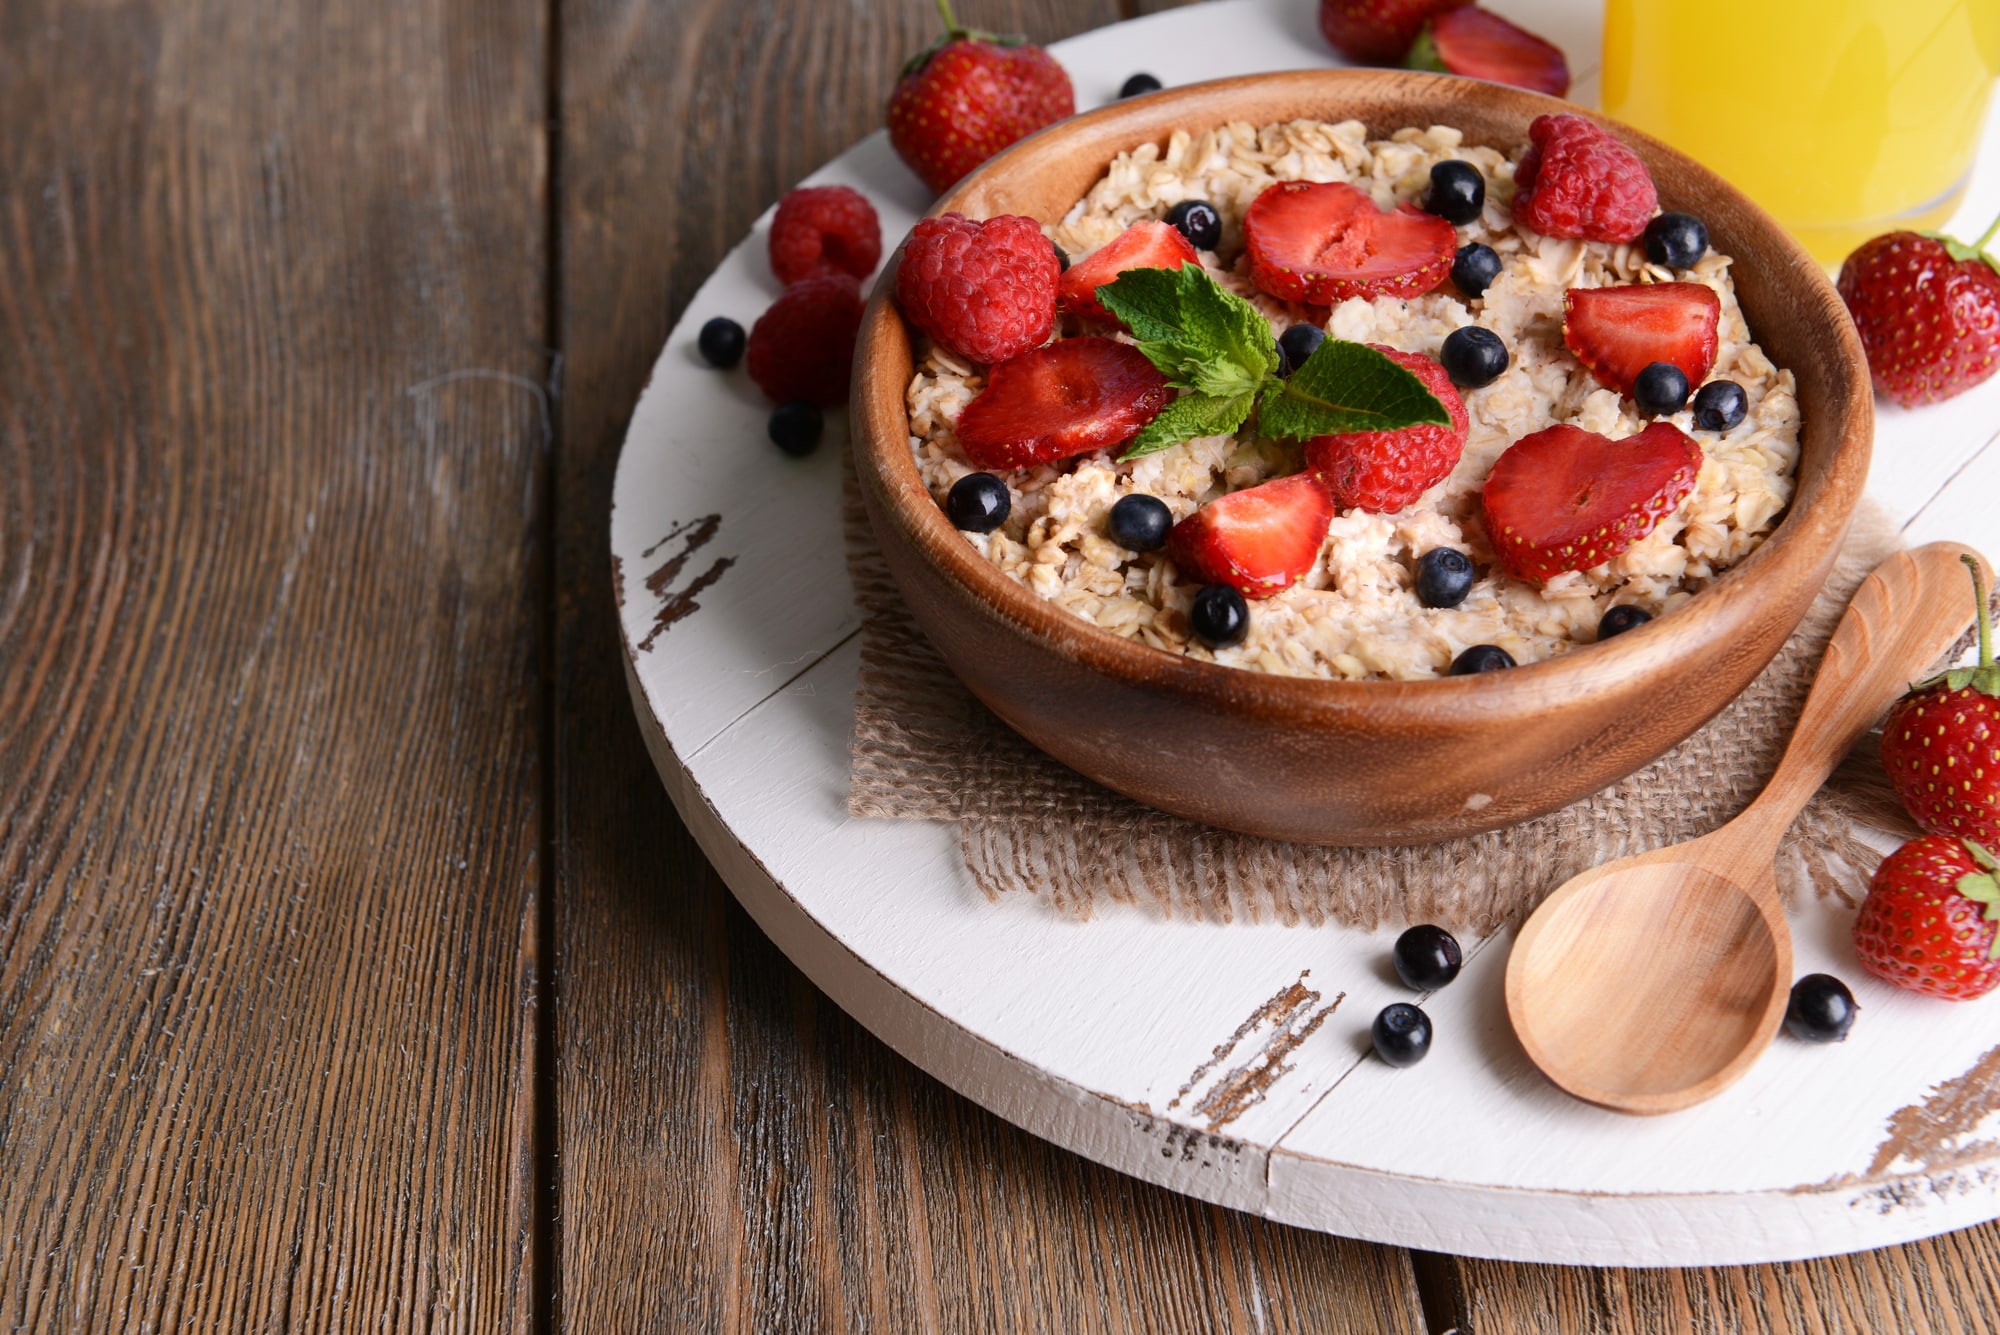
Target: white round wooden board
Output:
[(1103, 1036)]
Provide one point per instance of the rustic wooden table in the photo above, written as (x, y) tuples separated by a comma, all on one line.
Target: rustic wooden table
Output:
[(354, 967)]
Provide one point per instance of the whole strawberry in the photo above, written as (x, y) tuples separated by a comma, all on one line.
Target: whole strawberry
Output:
[(1383, 471), (968, 96), (1377, 32), (1928, 922), (1928, 310), (1938, 743)]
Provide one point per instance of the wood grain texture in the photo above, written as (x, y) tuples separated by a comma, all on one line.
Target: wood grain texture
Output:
[(735, 1153), (270, 290)]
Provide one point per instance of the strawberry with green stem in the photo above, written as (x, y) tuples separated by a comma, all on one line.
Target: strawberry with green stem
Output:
[(1928, 311), (1941, 742), (969, 95), (1928, 922)]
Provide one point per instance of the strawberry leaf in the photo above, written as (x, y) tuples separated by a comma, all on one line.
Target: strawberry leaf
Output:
[(1348, 387), (1190, 417)]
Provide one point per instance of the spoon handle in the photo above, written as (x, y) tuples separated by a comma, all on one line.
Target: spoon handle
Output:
[(1903, 617)]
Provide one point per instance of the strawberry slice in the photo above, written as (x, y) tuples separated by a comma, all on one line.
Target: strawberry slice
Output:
[(1383, 471), (1074, 395), (1619, 331), (1568, 499), (1258, 540), (1479, 44), (1143, 245), (1323, 243)]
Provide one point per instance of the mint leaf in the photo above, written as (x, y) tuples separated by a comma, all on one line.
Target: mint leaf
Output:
[(1148, 301), (1190, 417), (1347, 387), (1203, 338)]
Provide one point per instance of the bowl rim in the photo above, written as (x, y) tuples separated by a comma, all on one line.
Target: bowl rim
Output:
[(1823, 501)]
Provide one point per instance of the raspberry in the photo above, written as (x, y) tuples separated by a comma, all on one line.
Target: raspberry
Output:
[(821, 230), (803, 347), (1579, 181), (985, 290)]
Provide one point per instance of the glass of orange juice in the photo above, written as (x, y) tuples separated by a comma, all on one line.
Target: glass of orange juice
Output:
[(1843, 118)]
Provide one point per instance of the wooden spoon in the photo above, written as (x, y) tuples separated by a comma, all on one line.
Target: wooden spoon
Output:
[(1650, 983)]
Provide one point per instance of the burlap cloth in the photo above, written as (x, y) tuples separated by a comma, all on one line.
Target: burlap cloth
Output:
[(925, 749)]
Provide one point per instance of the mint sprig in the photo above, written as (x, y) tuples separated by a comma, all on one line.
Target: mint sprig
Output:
[(1215, 348)]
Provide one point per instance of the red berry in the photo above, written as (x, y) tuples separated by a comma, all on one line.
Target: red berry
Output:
[(1258, 540), (1324, 243), (1568, 499), (803, 347), (1377, 32), (985, 290), (1074, 395), (1927, 924), (1929, 319), (1383, 471), (1479, 44), (1619, 331), (964, 101), (1941, 744), (1578, 180), (1143, 245), (824, 229)]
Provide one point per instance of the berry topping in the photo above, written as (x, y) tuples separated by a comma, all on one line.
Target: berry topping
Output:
[(1821, 1010), (795, 427), (1481, 658), (1401, 1034), (1383, 471), (1577, 180), (803, 347), (1219, 616), (1568, 499), (1928, 309), (1660, 390), (978, 503), (1298, 343), (1377, 32), (1062, 257), (969, 96), (721, 342), (1678, 241), (1073, 396), (1620, 619), (1139, 522), (1473, 357), (1323, 243), (1457, 193), (821, 230), (1474, 268), (1619, 331), (1928, 922), (1258, 540), (1938, 743), (1139, 84), (985, 290), (1444, 577), (1197, 220), (1720, 405), (1144, 245), (1427, 957), (1479, 44)]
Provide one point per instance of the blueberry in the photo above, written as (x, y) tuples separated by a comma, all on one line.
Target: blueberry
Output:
[(795, 427), (1197, 220), (1473, 356), (721, 342), (1062, 256), (1677, 240), (1481, 658), (1821, 1010), (1140, 83), (1139, 522), (1475, 269), (1720, 405), (1298, 343), (1444, 577), (1402, 1034), (1219, 615), (1457, 193), (1427, 958), (978, 503), (1621, 619), (1661, 389)]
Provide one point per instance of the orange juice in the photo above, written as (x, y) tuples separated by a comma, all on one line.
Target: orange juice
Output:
[(1844, 118)]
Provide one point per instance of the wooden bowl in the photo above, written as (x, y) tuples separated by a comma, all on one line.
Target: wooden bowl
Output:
[(1335, 762)]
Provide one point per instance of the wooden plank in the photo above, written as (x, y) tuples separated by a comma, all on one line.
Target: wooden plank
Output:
[(270, 354), (735, 1152)]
